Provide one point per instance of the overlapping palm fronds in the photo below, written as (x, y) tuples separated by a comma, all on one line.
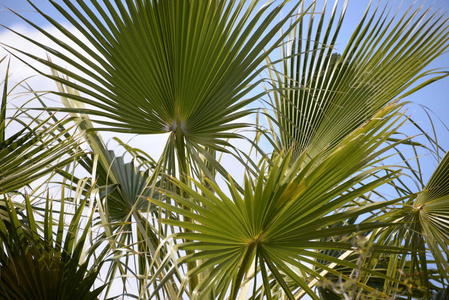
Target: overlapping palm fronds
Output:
[(120, 193), (425, 234), (321, 96), (39, 262), (35, 150), (309, 219), (278, 220)]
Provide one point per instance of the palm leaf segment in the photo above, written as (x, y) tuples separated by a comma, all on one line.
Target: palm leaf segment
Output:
[(37, 264), (124, 188), (280, 217), (166, 66), (37, 149), (322, 96), (428, 216), (121, 189)]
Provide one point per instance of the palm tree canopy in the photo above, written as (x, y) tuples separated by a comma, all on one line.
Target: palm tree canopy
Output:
[(322, 210)]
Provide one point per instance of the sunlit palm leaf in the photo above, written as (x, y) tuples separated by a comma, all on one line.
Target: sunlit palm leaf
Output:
[(279, 219), (322, 96)]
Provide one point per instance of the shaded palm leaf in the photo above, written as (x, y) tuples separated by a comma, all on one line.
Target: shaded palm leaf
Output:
[(36, 264)]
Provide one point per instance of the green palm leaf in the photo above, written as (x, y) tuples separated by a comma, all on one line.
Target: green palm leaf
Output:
[(37, 149), (281, 217), (167, 66), (321, 96), (37, 264)]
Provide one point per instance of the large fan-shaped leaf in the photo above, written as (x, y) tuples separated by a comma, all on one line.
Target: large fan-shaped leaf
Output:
[(432, 210), (322, 96), (279, 219), (167, 66)]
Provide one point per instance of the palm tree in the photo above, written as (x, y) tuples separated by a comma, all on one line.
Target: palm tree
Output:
[(310, 217)]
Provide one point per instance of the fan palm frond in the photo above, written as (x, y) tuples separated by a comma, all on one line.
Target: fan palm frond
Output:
[(279, 219), (321, 96)]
